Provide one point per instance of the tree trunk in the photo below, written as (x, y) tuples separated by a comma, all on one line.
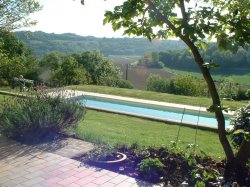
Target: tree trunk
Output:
[(215, 98), (207, 76), (243, 154)]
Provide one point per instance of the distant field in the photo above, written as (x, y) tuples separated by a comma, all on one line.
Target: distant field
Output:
[(139, 75), (239, 76), (123, 60)]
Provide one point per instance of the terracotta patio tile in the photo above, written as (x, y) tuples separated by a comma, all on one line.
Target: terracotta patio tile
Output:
[(118, 179), (84, 173), (90, 185), (32, 181), (67, 174), (101, 180), (85, 180), (112, 174), (124, 184), (100, 173), (34, 174), (67, 181), (107, 184), (73, 185)]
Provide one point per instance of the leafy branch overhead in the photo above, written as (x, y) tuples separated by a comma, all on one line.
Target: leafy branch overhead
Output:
[(197, 20), (14, 13), (194, 22)]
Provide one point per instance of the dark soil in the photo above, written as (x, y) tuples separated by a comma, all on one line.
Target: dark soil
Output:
[(177, 168)]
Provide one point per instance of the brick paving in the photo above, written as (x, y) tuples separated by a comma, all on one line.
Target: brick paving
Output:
[(24, 165)]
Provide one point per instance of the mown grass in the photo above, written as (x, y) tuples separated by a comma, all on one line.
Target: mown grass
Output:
[(101, 127), (115, 129), (238, 77), (8, 89), (141, 94)]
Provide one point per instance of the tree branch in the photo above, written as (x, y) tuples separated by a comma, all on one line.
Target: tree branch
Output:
[(183, 11), (161, 17), (205, 72)]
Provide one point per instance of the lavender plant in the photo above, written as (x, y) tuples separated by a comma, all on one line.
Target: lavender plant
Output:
[(39, 115)]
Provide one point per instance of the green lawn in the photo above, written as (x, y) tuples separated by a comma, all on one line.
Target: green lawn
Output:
[(238, 77), (8, 89), (141, 94), (101, 127)]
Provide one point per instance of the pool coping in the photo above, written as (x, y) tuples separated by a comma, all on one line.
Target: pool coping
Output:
[(144, 101), (76, 93)]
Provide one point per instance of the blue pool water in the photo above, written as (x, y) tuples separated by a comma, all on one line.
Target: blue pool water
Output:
[(162, 113)]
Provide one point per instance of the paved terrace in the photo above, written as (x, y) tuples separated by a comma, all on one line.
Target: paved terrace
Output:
[(50, 165)]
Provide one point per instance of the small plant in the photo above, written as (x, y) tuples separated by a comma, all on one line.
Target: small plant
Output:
[(101, 153), (241, 126), (202, 176), (142, 152), (39, 115), (151, 169)]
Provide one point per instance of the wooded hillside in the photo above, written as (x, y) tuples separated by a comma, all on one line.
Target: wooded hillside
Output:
[(42, 43)]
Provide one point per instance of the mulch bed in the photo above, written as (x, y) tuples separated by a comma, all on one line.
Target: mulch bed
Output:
[(177, 168)]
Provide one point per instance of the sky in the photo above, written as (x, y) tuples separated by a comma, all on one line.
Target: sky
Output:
[(69, 16)]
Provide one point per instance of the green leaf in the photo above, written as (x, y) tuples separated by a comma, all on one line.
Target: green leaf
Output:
[(240, 131)]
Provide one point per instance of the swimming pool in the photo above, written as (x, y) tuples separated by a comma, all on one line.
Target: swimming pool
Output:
[(161, 113)]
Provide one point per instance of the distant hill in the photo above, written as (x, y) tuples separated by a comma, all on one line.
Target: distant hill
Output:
[(41, 43)]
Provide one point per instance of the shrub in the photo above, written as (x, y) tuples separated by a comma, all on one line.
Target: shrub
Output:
[(38, 116), (151, 169), (157, 83), (187, 85), (119, 83), (227, 89), (4, 83), (241, 126), (240, 95), (248, 94), (124, 84)]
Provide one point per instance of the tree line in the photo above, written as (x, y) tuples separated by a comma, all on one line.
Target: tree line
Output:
[(89, 67), (183, 59), (42, 43)]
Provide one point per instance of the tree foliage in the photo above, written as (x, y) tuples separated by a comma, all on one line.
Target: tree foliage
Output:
[(99, 68), (70, 72), (226, 21), (14, 13), (16, 58), (42, 43)]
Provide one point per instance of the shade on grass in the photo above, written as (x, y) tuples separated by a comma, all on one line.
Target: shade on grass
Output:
[(115, 129)]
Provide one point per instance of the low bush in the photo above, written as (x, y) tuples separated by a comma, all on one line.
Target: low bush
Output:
[(4, 82), (248, 93), (124, 84), (119, 83), (240, 95), (158, 84), (241, 126), (38, 116), (183, 85), (151, 169)]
